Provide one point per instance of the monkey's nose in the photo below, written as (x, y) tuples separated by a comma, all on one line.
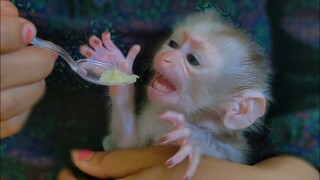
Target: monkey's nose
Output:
[(169, 56), (167, 60)]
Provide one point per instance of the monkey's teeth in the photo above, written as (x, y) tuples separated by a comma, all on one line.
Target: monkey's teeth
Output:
[(161, 88), (163, 85)]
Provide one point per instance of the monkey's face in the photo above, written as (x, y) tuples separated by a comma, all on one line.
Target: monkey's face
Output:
[(183, 71)]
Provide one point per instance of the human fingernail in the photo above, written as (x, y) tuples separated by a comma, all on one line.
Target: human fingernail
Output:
[(82, 155), (28, 32), (55, 55), (7, 11)]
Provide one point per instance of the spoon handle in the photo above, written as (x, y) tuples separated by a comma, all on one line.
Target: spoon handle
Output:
[(55, 48)]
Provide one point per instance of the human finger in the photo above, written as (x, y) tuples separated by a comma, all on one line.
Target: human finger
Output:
[(13, 125), (66, 174), (16, 100), (71, 174), (159, 172), (120, 163), (28, 65), (8, 9), (16, 33), (154, 173)]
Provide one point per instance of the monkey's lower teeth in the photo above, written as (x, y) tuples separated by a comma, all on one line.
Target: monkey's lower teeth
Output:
[(163, 86)]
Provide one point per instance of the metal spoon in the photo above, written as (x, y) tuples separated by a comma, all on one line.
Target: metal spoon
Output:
[(88, 69)]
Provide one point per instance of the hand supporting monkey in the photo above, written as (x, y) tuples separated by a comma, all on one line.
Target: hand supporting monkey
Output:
[(23, 69)]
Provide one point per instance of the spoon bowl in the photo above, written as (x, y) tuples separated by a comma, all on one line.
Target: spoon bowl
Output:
[(89, 69)]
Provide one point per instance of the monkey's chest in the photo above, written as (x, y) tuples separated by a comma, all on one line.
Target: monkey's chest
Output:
[(152, 128)]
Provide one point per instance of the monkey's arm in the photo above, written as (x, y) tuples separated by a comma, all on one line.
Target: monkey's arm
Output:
[(123, 125)]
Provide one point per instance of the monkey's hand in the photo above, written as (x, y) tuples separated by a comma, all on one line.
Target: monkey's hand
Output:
[(104, 50), (193, 141)]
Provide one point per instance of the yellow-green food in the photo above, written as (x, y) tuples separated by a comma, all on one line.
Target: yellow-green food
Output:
[(116, 76)]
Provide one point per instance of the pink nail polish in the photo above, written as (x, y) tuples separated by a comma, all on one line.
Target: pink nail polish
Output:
[(6, 11), (83, 155), (55, 55), (27, 33)]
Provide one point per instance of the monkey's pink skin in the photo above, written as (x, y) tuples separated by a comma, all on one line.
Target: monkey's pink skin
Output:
[(181, 133)]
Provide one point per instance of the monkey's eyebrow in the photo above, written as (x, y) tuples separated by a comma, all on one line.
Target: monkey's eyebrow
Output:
[(194, 42)]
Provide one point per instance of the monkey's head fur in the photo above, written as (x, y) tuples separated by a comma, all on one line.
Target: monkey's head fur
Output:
[(209, 67)]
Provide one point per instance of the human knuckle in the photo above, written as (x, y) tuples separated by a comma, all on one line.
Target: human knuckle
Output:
[(8, 107), (45, 61)]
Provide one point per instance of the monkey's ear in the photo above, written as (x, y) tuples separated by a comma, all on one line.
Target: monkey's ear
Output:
[(244, 111)]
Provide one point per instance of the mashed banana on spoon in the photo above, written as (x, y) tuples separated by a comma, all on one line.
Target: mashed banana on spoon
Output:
[(116, 77)]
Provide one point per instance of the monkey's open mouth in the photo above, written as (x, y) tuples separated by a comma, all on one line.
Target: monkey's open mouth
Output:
[(162, 84)]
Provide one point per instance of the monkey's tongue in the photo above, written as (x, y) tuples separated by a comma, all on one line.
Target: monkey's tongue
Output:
[(163, 85)]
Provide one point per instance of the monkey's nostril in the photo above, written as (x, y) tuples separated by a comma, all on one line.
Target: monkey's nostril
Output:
[(167, 60)]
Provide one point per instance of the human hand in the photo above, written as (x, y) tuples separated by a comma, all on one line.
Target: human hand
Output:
[(145, 163), (149, 163), (23, 69)]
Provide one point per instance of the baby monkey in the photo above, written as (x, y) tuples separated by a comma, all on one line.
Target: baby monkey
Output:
[(210, 85)]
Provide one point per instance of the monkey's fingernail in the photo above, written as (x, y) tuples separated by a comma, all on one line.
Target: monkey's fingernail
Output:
[(96, 41), (187, 178), (163, 139), (82, 155), (55, 55), (106, 33), (169, 163), (89, 54)]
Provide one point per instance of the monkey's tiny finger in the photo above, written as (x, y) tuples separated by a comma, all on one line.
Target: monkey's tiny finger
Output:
[(96, 44), (173, 117), (175, 135), (86, 51), (194, 160), (107, 42), (179, 156), (133, 52), (92, 54)]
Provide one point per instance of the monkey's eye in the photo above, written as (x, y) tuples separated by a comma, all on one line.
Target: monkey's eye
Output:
[(173, 44), (192, 60)]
